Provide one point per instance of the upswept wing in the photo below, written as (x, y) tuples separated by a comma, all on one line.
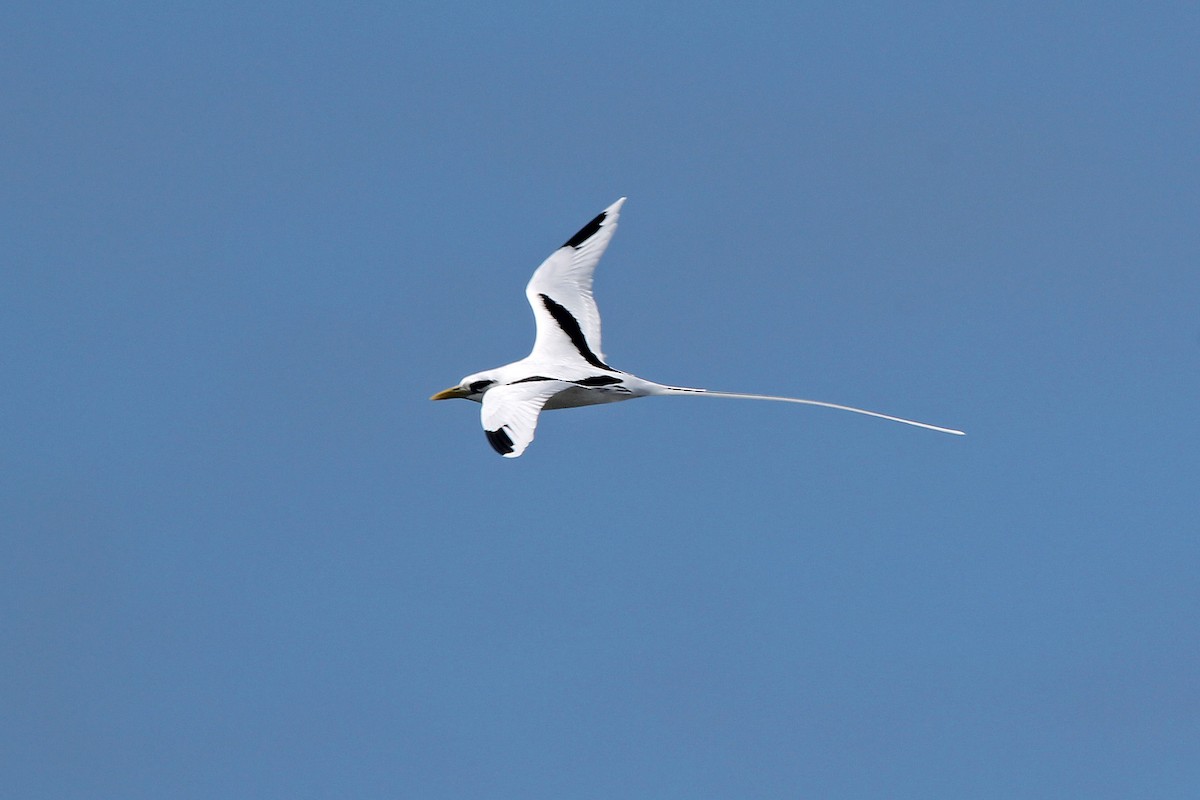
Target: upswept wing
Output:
[(560, 292), (510, 413)]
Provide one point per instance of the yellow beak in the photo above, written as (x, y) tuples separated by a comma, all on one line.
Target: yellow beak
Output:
[(450, 394)]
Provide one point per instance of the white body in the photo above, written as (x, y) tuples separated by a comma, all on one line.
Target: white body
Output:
[(567, 367)]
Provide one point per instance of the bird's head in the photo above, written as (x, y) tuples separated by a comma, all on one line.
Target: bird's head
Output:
[(471, 387)]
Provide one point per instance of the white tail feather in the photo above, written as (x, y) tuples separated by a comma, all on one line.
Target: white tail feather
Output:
[(680, 390)]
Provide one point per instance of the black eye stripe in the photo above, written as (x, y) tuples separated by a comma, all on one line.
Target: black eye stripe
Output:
[(479, 386)]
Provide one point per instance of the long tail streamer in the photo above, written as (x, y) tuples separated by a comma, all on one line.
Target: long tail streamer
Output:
[(681, 390)]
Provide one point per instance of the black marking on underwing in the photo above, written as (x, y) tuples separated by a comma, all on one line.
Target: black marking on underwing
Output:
[(500, 441), (587, 231), (570, 326), (533, 378), (599, 380)]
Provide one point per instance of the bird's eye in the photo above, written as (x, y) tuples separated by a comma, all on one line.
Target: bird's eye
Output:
[(479, 386)]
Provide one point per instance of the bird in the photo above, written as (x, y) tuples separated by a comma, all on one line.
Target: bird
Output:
[(567, 367)]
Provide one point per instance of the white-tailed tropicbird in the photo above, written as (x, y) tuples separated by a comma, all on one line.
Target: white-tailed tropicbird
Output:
[(567, 367)]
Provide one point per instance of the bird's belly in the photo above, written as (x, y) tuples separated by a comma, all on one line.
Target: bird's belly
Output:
[(587, 396)]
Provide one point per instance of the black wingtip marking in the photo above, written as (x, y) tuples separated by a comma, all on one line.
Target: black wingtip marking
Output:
[(570, 326), (587, 231), (500, 441)]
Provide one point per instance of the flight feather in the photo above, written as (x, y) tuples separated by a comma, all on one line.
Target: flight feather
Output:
[(560, 293)]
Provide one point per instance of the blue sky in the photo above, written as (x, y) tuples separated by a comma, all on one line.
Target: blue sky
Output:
[(243, 555)]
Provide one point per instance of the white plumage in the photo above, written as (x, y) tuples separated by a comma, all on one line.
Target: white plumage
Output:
[(567, 367)]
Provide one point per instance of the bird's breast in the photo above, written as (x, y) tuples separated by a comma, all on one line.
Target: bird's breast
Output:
[(578, 396)]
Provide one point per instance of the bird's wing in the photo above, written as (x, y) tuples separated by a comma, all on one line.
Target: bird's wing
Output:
[(510, 413), (560, 291)]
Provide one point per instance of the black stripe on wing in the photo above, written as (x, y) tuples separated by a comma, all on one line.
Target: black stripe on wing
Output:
[(587, 231), (595, 380), (570, 326), (500, 441)]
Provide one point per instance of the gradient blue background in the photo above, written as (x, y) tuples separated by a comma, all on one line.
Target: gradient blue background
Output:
[(244, 556)]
